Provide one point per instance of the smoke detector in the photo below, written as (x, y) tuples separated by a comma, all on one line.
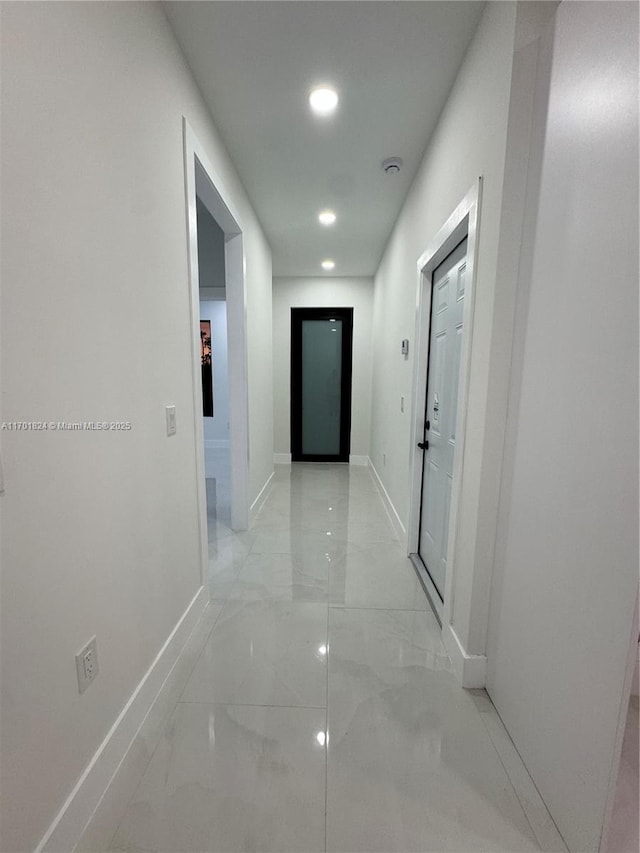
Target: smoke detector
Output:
[(392, 165)]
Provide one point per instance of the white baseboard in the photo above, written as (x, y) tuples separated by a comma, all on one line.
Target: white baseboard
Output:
[(262, 495), (358, 460), (470, 670), (398, 526), (216, 444), (127, 747)]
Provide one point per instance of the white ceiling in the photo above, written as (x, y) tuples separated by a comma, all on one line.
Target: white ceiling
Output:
[(393, 64)]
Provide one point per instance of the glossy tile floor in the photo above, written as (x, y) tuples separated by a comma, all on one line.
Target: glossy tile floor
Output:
[(321, 713)]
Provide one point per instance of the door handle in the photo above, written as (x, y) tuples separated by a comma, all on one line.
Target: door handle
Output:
[(423, 445)]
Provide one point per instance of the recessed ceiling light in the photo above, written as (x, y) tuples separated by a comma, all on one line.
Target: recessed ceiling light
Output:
[(323, 100), (328, 264), (327, 217)]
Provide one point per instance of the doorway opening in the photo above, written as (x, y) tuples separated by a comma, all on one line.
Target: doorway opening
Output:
[(215, 371), (212, 222), (321, 356), (444, 323)]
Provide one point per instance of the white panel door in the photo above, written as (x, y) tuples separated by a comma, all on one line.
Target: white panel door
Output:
[(447, 301)]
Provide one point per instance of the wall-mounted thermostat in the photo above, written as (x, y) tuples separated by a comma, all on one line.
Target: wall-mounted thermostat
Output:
[(405, 347)]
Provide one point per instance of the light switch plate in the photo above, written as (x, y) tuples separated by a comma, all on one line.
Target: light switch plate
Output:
[(171, 420)]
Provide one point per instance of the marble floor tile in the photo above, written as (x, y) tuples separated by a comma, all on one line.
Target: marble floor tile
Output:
[(264, 653), (352, 523), (222, 580), (322, 712), (226, 558), (272, 519), (354, 526), (386, 641), (227, 778), (363, 511), (298, 541), (370, 531), (230, 550), (375, 575), (285, 577), (412, 744)]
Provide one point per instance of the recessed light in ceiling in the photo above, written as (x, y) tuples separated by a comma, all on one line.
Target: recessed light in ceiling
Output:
[(327, 217), (323, 100), (328, 264)]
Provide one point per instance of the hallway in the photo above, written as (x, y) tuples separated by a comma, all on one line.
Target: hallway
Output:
[(321, 712)]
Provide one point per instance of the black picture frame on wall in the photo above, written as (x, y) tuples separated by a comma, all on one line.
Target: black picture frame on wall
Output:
[(206, 361)]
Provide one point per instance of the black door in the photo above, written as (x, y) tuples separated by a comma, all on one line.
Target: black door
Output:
[(321, 340)]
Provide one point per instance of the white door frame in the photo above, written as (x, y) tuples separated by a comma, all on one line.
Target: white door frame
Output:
[(202, 179), (462, 223)]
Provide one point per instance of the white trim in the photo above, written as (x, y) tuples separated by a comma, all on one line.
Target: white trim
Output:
[(392, 512), (201, 178), (462, 223), (87, 795), (428, 585), (358, 460), (216, 444), (614, 770), (282, 459), (543, 826), (261, 498), (470, 670)]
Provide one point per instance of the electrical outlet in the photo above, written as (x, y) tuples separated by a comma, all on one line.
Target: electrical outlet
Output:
[(402, 403), (384, 459), (87, 664)]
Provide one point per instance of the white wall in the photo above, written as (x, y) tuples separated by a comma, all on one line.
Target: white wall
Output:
[(356, 293), (211, 265), (99, 529), (216, 429), (566, 571), (470, 141)]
